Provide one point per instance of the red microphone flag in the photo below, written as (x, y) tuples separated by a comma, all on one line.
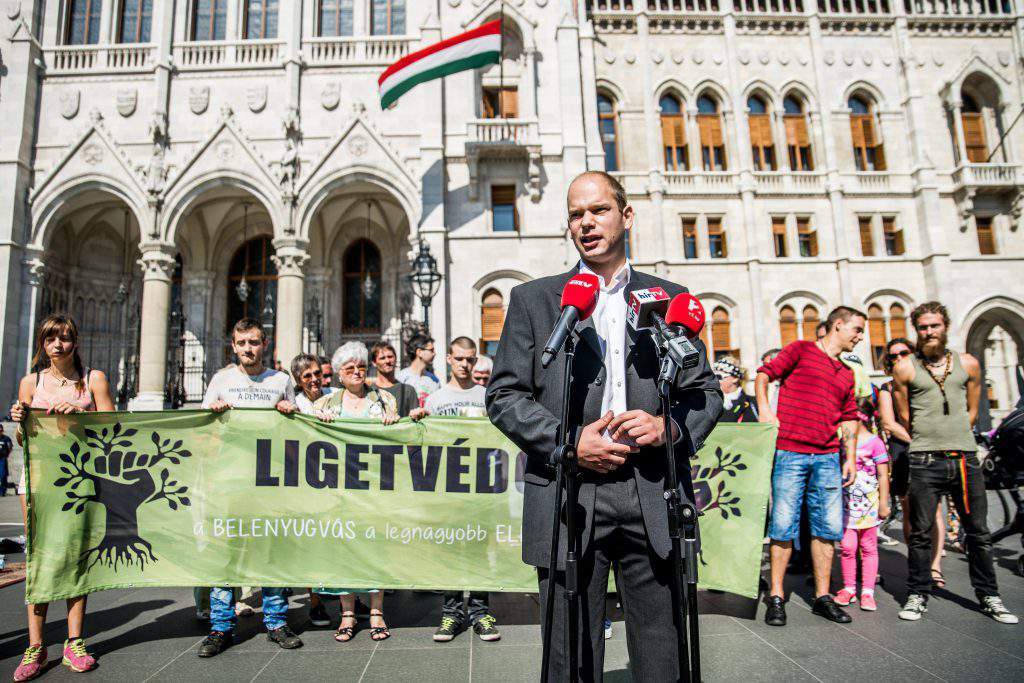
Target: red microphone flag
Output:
[(687, 311), (581, 293)]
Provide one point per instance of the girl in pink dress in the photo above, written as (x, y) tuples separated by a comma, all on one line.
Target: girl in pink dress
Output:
[(60, 385), (866, 504)]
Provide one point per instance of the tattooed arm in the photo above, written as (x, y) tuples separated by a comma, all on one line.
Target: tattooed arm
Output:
[(848, 438)]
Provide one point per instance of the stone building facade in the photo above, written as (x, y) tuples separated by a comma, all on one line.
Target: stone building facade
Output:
[(159, 160)]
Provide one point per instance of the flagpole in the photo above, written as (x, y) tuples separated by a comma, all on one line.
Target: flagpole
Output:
[(501, 66)]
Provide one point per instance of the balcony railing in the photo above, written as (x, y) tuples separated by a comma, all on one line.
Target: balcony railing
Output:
[(963, 9), (84, 59), (786, 182), (363, 50), (685, 182), (502, 132), (994, 176), (221, 54)]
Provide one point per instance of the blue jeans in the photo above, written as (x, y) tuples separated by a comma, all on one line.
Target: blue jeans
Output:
[(222, 609), (816, 477)]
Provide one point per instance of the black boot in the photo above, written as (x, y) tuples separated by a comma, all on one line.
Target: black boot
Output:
[(285, 637), (775, 614), (215, 643)]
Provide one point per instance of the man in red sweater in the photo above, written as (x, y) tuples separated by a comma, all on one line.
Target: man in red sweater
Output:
[(816, 402)]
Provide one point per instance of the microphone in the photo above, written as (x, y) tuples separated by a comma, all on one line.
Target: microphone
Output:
[(674, 322), (579, 299)]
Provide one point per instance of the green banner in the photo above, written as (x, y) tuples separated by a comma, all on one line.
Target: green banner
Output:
[(254, 498)]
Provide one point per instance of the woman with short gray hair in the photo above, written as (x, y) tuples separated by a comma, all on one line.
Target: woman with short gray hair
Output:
[(357, 400)]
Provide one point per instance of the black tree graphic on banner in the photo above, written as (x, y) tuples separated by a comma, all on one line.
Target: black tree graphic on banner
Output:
[(710, 490), (122, 481)]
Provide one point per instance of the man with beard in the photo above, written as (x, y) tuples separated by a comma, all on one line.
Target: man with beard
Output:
[(936, 393), (384, 359), (248, 385)]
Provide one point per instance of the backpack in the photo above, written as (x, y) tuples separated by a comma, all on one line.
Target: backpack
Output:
[(1004, 468)]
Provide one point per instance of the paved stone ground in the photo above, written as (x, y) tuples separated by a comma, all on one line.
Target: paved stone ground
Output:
[(142, 635)]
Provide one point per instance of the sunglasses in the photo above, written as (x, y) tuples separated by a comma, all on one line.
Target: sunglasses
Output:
[(901, 354)]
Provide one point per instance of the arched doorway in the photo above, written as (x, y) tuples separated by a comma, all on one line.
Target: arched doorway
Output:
[(996, 339), (90, 274), (257, 297), (361, 285)]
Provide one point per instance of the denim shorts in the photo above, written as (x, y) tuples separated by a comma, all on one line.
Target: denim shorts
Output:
[(816, 477)]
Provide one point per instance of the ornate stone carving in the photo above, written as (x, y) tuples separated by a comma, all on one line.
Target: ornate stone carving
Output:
[(866, 58), (678, 56), (848, 58), (609, 56), (764, 56), (256, 98), (830, 57), (155, 171), (157, 262), (657, 57), (697, 57), (92, 153), (35, 270), (358, 145), (1004, 57), (783, 57), (744, 56), (291, 122), (224, 150), (938, 58), (198, 98), (13, 10), (290, 261), (288, 167), (330, 96), (158, 128), (630, 57), (127, 98), (69, 101)]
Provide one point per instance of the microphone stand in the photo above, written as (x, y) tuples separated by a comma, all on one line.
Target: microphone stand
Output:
[(566, 476), (682, 530)]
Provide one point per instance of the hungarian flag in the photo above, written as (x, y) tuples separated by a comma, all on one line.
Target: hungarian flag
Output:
[(465, 51)]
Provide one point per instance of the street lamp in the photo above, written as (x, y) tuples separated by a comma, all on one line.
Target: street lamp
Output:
[(425, 279), (267, 316)]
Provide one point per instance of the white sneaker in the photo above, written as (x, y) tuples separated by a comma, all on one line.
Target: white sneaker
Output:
[(607, 629), (993, 606), (914, 608)]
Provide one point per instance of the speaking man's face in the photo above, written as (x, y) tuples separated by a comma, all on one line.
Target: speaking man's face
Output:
[(597, 226)]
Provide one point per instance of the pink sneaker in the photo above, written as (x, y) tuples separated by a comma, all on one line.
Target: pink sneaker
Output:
[(75, 656), (32, 663), (867, 602), (845, 597)]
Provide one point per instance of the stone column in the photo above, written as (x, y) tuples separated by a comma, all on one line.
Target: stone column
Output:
[(957, 108), (290, 256), (35, 269), (780, 142), (157, 263)]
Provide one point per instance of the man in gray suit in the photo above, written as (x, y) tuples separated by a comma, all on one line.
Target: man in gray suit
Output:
[(619, 435)]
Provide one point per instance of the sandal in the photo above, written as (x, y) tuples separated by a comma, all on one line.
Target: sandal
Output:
[(938, 581), (345, 633), (379, 633)]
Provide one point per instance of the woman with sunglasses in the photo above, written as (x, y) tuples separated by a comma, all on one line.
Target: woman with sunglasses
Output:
[(357, 399), (308, 375), (61, 385), (898, 442)]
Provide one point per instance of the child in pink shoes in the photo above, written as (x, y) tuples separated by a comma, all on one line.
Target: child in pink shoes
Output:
[(866, 504), (33, 662)]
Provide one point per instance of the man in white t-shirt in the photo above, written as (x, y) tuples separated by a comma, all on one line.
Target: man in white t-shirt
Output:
[(248, 385), (462, 397), (418, 373)]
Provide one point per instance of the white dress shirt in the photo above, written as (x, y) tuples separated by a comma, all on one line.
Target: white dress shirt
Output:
[(730, 399), (610, 325)]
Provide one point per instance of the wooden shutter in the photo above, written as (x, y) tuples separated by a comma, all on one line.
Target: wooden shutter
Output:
[(492, 319), (509, 103), (809, 235), (489, 100), (761, 140), (779, 235), (974, 137), (986, 240), (876, 331), (796, 130), (857, 129), (810, 323), (673, 137), (710, 130), (715, 229), (787, 325), (720, 331), (894, 236), (897, 322), (867, 246)]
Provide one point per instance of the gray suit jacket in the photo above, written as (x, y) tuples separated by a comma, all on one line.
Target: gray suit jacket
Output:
[(524, 402)]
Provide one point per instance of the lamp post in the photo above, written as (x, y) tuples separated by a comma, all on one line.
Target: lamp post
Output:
[(267, 320), (425, 279)]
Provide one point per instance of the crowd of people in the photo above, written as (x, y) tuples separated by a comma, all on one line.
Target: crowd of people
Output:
[(844, 451)]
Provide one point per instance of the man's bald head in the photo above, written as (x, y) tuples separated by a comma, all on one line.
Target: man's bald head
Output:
[(618, 191)]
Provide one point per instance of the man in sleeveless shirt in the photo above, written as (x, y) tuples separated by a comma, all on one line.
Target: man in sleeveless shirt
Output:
[(936, 393)]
